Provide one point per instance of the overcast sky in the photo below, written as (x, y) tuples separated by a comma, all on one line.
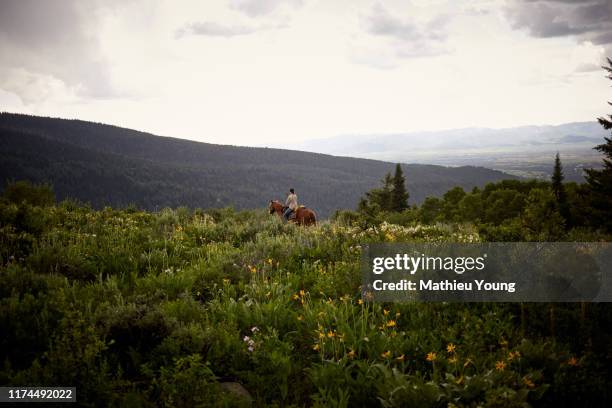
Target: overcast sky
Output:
[(254, 72)]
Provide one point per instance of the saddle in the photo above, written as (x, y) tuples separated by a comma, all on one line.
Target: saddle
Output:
[(294, 212)]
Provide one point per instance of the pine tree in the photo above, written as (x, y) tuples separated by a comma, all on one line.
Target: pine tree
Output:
[(399, 194), (541, 219), (559, 192), (600, 181), (381, 197), (386, 193)]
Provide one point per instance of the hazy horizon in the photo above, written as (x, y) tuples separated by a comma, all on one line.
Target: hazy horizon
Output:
[(256, 73)]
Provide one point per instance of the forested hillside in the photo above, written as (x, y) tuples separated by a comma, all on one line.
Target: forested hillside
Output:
[(108, 165)]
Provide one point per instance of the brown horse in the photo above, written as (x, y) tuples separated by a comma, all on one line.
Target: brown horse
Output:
[(303, 215)]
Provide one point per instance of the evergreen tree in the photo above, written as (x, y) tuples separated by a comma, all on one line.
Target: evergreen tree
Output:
[(385, 197), (381, 197), (558, 190), (600, 181), (541, 219), (399, 194), (369, 212)]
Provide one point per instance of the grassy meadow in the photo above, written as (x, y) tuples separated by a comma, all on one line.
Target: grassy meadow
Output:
[(146, 309)]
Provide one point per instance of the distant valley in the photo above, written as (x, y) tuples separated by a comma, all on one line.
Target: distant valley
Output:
[(526, 151)]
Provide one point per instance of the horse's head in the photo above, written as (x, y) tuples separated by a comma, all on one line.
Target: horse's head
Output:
[(275, 206)]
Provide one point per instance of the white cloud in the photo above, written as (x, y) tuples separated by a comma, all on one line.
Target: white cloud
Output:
[(587, 67), (388, 36), (33, 88), (257, 8)]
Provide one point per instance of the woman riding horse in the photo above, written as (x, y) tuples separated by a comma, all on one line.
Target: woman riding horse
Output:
[(303, 215)]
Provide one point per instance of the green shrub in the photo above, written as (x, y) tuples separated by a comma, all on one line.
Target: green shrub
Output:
[(21, 192)]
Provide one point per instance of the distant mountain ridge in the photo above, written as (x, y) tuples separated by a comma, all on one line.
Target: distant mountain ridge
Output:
[(526, 150), (109, 165), (455, 139)]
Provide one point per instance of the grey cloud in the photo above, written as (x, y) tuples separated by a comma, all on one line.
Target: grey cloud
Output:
[(51, 40), (214, 29), (252, 8), (256, 8), (380, 22), (602, 38), (586, 20), (409, 38)]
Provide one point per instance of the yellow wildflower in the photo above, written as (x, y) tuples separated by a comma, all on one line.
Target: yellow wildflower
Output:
[(316, 347), (391, 323), (452, 359), (431, 356), (500, 366), (450, 348), (386, 354), (300, 318), (331, 334), (385, 312), (513, 354), (572, 362), (528, 382), (295, 296), (351, 353), (302, 293), (360, 301)]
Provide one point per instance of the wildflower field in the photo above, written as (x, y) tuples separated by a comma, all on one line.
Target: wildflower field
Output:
[(160, 309)]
